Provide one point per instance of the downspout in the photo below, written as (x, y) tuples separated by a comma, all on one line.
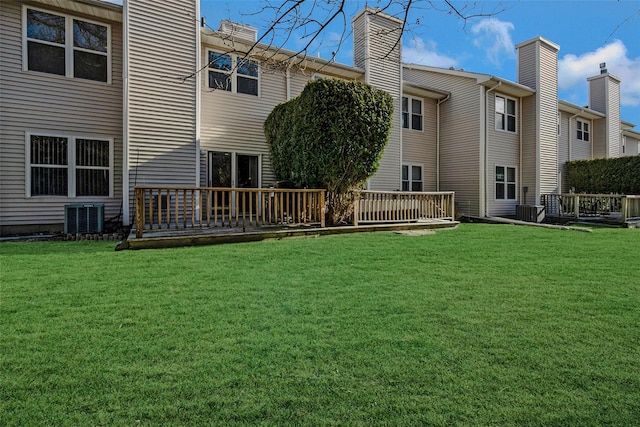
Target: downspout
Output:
[(442, 101), (198, 89), (288, 80), (125, 114), (485, 154)]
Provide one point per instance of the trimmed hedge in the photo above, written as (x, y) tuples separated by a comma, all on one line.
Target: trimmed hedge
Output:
[(603, 176), (331, 136)]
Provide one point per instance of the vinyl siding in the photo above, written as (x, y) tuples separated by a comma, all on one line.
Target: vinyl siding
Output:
[(613, 118), (46, 103), (538, 69), (580, 150), (548, 113), (162, 106), (383, 72), (233, 122), (459, 135), (419, 147), (503, 149), (632, 146), (599, 138)]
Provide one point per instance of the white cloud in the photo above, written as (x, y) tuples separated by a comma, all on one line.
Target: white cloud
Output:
[(419, 52), (494, 36), (574, 70)]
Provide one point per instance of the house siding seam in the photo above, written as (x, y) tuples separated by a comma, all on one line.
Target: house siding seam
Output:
[(56, 105)]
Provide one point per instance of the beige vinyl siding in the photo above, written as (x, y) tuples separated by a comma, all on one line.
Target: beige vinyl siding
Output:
[(598, 95), (548, 113), (599, 138), (459, 135), (419, 147), (613, 118), (233, 122), (384, 73), (359, 42), (162, 106), (632, 146), (527, 75), (563, 149), (51, 104), (580, 150), (503, 149)]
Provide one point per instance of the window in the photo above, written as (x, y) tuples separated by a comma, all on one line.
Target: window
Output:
[(505, 114), (411, 113), (411, 178), (582, 130), (63, 45), (505, 183), (69, 166), (233, 74)]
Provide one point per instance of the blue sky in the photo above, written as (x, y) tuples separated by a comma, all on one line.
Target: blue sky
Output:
[(588, 32)]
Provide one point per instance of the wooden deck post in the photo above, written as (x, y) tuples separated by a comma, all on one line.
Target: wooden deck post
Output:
[(624, 209), (576, 206), (323, 210), (356, 208), (139, 212)]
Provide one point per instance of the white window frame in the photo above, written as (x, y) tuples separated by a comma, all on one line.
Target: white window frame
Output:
[(410, 113), (505, 114), (506, 183), (71, 163), (410, 180), (580, 132), (233, 74), (69, 48)]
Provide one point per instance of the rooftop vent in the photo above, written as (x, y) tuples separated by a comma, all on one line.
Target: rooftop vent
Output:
[(245, 32), (603, 68)]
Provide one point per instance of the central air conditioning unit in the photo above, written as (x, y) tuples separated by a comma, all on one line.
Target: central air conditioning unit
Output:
[(84, 218)]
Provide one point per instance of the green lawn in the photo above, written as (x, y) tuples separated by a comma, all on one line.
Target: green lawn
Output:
[(483, 325)]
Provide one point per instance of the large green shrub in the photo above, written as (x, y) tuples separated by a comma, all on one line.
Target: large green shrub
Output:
[(604, 176), (331, 136)]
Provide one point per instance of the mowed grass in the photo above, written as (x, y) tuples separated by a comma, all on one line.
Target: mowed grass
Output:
[(483, 325)]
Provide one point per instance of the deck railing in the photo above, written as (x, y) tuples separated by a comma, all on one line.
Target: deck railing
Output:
[(172, 208), (613, 206), (402, 206)]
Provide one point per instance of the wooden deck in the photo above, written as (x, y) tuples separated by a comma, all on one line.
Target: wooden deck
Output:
[(195, 237), (172, 217)]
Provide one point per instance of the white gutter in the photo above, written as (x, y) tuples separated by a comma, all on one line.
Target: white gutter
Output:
[(442, 101), (288, 80), (125, 113), (484, 154)]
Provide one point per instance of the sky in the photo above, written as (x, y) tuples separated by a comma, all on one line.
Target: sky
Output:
[(588, 33)]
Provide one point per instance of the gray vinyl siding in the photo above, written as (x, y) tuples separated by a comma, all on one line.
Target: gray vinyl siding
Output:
[(503, 149), (563, 150), (548, 106), (604, 97), (384, 73), (55, 105), (459, 135), (162, 106), (419, 147)]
